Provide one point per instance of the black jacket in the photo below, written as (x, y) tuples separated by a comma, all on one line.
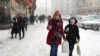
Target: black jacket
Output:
[(21, 21), (15, 26), (72, 33), (14, 21)]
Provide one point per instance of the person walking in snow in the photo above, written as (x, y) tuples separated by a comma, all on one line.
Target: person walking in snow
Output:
[(26, 21), (55, 34), (40, 18), (32, 20), (72, 34), (15, 27), (36, 18), (21, 24)]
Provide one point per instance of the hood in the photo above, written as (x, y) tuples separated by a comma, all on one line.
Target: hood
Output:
[(74, 19)]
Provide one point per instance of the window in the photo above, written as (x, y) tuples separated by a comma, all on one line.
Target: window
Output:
[(4, 12)]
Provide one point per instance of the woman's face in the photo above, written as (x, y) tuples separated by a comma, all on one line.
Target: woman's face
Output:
[(72, 22), (57, 17)]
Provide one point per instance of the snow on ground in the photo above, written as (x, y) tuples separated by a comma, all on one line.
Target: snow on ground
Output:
[(34, 43)]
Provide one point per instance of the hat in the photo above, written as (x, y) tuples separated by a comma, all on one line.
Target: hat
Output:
[(57, 12)]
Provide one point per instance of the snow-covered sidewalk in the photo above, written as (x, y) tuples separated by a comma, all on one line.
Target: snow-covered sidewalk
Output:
[(34, 43)]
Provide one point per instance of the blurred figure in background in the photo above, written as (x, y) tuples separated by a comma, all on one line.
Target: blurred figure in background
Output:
[(49, 17), (43, 17), (36, 18), (32, 19), (40, 18), (15, 28), (21, 24), (26, 21)]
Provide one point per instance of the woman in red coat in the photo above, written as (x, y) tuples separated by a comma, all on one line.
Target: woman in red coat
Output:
[(55, 34)]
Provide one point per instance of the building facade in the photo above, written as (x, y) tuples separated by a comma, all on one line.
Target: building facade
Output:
[(67, 7), (88, 7), (9, 8), (5, 11), (77, 7)]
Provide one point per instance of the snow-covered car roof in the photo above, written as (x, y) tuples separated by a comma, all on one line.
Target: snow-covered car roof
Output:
[(91, 22)]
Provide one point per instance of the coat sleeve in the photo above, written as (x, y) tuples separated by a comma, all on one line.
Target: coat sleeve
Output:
[(49, 24), (77, 34), (66, 32)]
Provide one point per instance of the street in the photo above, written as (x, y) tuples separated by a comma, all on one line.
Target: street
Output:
[(34, 43)]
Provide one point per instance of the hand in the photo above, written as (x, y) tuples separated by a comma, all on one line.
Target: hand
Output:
[(49, 27)]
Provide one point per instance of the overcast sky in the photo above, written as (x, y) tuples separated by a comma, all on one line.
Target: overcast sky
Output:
[(41, 7)]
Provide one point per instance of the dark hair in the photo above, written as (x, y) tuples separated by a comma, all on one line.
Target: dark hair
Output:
[(74, 19)]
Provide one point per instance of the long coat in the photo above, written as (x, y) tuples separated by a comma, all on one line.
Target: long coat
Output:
[(51, 32)]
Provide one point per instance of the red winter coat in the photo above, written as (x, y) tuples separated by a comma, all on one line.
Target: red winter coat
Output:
[(51, 32)]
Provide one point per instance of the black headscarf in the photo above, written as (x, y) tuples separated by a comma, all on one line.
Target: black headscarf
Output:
[(74, 19)]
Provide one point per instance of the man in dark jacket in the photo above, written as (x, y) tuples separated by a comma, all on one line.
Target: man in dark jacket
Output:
[(26, 21), (72, 33), (40, 18), (21, 24), (14, 27), (32, 19)]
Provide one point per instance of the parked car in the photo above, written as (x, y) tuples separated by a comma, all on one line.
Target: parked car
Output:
[(66, 18), (90, 22)]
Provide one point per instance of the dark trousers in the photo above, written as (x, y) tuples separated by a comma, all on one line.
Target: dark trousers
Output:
[(54, 49), (14, 31), (71, 48), (13, 34), (26, 26), (21, 29)]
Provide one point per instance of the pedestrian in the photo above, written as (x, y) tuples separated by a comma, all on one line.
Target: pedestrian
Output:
[(32, 19), (49, 17), (40, 18), (21, 24), (26, 21), (43, 18), (55, 34), (72, 34), (15, 27), (36, 18)]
